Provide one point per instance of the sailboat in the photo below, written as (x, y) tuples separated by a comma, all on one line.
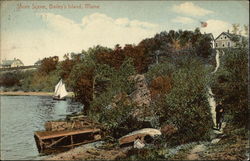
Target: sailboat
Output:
[(60, 91)]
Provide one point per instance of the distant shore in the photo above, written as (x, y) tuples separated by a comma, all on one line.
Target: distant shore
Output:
[(21, 93)]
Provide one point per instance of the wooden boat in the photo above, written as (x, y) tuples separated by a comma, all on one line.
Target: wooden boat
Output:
[(60, 91), (139, 134), (47, 141), (61, 135), (58, 98)]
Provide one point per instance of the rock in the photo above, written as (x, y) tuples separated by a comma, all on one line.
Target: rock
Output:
[(215, 141), (138, 144), (141, 95), (140, 98)]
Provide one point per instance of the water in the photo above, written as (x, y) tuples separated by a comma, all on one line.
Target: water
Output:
[(21, 116)]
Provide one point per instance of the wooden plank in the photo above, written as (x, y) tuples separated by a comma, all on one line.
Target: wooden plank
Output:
[(85, 142), (72, 143), (57, 141), (53, 134)]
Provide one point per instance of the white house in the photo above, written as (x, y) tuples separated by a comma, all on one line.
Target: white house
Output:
[(227, 40), (11, 63)]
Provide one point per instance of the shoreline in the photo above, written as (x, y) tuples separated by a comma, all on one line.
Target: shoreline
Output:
[(90, 151), (21, 93)]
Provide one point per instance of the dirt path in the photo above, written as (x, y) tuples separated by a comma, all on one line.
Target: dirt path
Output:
[(89, 154), (194, 154), (199, 149)]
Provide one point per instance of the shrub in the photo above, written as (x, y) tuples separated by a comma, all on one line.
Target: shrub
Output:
[(231, 85), (186, 105), (9, 79)]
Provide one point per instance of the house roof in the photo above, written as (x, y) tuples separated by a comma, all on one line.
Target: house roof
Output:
[(229, 35), (9, 62)]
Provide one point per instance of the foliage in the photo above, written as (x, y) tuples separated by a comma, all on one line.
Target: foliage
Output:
[(101, 106), (186, 106), (173, 44), (141, 59), (81, 82), (231, 84), (114, 58), (48, 65), (160, 86), (41, 82), (161, 69), (21, 80), (9, 79)]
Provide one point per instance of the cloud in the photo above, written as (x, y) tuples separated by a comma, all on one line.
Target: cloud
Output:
[(63, 35), (190, 9), (183, 20), (102, 18), (216, 27)]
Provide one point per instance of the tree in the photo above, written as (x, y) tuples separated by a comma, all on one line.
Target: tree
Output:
[(48, 64), (246, 30), (81, 81), (236, 28), (117, 84), (9, 79), (113, 58), (160, 86), (138, 54)]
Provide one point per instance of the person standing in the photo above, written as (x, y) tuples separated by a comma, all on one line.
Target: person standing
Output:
[(219, 115)]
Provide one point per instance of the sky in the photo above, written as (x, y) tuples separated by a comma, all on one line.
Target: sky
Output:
[(32, 30)]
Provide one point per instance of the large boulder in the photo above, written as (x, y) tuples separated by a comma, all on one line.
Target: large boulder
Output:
[(141, 95)]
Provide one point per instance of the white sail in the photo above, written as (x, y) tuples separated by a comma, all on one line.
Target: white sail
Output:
[(57, 88), (60, 90), (63, 92)]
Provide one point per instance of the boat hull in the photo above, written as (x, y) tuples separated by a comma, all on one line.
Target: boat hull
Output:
[(48, 142), (59, 99)]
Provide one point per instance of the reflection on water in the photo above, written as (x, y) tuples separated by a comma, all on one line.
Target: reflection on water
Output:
[(21, 116)]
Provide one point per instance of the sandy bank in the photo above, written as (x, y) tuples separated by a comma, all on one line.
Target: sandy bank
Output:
[(90, 152), (21, 93)]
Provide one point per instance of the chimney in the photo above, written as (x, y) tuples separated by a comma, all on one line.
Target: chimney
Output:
[(227, 31)]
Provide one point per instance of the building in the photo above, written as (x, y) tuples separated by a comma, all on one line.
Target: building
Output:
[(210, 35), (11, 63), (39, 62), (227, 40)]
